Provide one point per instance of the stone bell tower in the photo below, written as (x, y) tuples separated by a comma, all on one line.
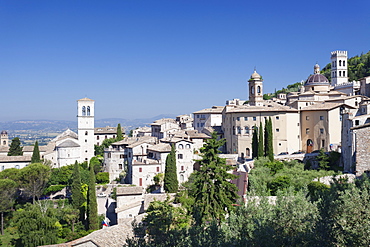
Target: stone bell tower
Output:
[(255, 90)]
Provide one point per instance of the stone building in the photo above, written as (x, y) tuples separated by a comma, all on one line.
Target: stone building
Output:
[(102, 133)]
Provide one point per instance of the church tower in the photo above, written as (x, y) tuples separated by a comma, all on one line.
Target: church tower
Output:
[(255, 89), (4, 139), (339, 73), (85, 118)]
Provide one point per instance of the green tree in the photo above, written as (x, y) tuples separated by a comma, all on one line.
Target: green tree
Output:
[(92, 206), (171, 184), (102, 177), (269, 146), (34, 179), (119, 133), (99, 150), (212, 191), (260, 142), (8, 190), (78, 198), (36, 154), (15, 148), (323, 160), (255, 142), (37, 225)]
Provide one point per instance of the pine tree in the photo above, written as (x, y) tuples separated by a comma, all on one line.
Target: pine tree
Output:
[(78, 198), (171, 184), (92, 205), (260, 142), (36, 154), (15, 148), (255, 142), (212, 191), (119, 133)]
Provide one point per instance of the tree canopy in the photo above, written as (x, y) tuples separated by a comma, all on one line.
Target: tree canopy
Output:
[(36, 154), (15, 148), (171, 184)]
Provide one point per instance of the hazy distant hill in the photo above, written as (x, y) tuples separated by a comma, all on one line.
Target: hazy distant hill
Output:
[(57, 126)]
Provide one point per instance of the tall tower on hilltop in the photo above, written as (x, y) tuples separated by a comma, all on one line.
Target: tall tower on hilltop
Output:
[(255, 89), (4, 139), (85, 117), (339, 72)]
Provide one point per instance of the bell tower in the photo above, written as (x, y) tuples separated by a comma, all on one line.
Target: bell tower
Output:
[(255, 90), (85, 118), (4, 139), (339, 71)]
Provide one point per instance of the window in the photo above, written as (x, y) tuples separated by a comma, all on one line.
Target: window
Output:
[(140, 169), (239, 130), (197, 115), (344, 64), (157, 168), (357, 122), (181, 146), (277, 130), (340, 73), (321, 117), (340, 64), (246, 130), (106, 136), (120, 166), (16, 166), (234, 130), (252, 89), (83, 111), (86, 133), (187, 146), (2, 168), (97, 144), (344, 74), (254, 118), (179, 156), (85, 140), (140, 182), (258, 89), (109, 155), (277, 118), (97, 137), (237, 118), (182, 168), (321, 131), (307, 131), (323, 143), (245, 118), (121, 156), (307, 118), (88, 111)]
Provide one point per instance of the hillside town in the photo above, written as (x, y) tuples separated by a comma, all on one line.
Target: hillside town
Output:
[(328, 115)]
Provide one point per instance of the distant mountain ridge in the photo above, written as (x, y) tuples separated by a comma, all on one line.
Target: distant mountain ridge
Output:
[(52, 126)]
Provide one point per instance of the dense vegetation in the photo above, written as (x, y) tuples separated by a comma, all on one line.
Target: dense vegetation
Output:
[(358, 67), (31, 221)]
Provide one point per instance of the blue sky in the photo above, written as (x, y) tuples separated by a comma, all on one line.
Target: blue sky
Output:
[(138, 59)]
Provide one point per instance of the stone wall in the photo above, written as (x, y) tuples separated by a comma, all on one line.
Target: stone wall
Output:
[(362, 149)]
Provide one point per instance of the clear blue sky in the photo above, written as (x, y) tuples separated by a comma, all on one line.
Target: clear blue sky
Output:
[(138, 59)]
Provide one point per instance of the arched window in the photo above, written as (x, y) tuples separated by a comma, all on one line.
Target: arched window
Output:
[(340, 73), (340, 62), (181, 178), (258, 89), (246, 130), (4, 143), (187, 146), (83, 111), (86, 133), (88, 111), (239, 130), (252, 89), (181, 146), (344, 74), (344, 62), (247, 152), (234, 130), (120, 166)]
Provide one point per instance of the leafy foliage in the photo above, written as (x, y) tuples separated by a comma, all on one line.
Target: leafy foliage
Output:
[(99, 150), (8, 190), (212, 192), (15, 148), (171, 184), (78, 198), (102, 177)]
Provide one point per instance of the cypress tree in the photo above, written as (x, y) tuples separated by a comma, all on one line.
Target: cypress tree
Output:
[(255, 142), (78, 198), (36, 154), (119, 133), (92, 205), (171, 184), (15, 148), (260, 142), (266, 137)]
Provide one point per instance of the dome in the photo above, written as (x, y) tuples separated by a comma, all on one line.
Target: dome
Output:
[(317, 79), (4, 132), (255, 76)]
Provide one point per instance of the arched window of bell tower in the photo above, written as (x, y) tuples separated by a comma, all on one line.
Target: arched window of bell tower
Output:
[(344, 62), (344, 74), (335, 63), (83, 111), (340, 73), (340, 62), (252, 89), (258, 89), (88, 111)]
